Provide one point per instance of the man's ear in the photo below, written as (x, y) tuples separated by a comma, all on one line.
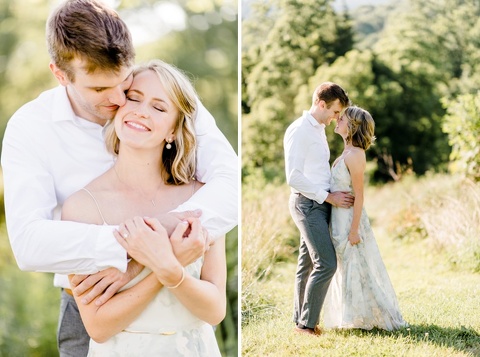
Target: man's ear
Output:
[(322, 104), (59, 74)]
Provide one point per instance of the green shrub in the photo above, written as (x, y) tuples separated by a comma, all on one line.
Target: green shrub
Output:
[(462, 124)]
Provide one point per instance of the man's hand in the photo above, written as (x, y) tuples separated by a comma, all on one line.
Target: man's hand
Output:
[(171, 220), (105, 283), (192, 244), (340, 199)]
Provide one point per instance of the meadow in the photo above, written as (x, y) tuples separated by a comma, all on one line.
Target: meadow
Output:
[(428, 231)]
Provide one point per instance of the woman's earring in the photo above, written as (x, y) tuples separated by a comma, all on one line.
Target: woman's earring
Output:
[(168, 146)]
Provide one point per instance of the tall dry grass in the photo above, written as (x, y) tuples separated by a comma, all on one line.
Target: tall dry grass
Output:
[(441, 210), (268, 236)]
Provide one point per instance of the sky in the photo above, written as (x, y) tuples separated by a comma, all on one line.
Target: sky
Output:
[(352, 4), (337, 4)]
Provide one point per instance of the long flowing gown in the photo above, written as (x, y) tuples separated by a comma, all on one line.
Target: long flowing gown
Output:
[(360, 294), (165, 328)]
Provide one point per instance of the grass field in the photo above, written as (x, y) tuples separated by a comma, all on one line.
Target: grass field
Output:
[(438, 290)]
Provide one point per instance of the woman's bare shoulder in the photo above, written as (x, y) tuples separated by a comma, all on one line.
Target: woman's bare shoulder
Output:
[(81, 207)]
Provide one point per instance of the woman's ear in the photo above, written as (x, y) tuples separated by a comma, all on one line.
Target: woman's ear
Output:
[(59, 74), (171, 136)]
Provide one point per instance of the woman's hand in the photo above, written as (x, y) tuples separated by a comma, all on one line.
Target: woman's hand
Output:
[(354, 238), (149, 243)]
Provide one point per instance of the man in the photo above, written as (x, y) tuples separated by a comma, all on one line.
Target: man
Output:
[(54, 145), (308, 174)]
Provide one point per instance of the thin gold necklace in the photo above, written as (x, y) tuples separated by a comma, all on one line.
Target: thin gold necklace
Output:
[(152, 200)]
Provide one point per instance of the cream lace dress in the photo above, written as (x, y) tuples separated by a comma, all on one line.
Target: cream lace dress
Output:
[(165, 328), (360, 294)]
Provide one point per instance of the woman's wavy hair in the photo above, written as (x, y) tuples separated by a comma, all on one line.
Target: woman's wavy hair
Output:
[(179, 162), (361, 127)]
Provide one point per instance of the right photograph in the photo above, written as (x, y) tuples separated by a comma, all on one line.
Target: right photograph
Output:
[(360, 178)]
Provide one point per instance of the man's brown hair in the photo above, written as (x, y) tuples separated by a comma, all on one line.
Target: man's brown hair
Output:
[(91, 31), (329, 92)]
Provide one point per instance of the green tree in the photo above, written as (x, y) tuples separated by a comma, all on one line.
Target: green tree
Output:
[(304, 35), (206, 48), (22, 38), (462, 124), (443, 37), (400, 102)]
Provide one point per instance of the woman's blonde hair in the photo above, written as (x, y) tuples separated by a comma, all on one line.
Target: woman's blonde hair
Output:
[(179, 161), (361, 127)]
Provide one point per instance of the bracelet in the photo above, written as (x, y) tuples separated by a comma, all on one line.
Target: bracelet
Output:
[(181, 280)]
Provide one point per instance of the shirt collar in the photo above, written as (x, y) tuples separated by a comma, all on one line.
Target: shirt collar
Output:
[(62, 109), (312, 120)]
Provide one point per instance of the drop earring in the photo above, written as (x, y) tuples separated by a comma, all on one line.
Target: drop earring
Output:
[(168, 146)]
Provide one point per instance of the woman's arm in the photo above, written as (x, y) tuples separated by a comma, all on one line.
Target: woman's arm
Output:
[(102, 322), (105, 321), (205, 298), (356, 163)]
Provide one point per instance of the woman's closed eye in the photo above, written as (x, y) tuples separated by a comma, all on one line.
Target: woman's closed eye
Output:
[(132, 98), (159, 109)]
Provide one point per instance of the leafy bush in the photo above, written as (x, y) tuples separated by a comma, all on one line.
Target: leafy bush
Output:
[(462, 124)]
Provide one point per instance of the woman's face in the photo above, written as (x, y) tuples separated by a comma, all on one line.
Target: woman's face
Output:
[(341, 127), (148, 117)]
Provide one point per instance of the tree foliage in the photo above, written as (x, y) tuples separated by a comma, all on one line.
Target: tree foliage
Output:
[(462, 124), (205, 47), (413, 56), (304, 34)]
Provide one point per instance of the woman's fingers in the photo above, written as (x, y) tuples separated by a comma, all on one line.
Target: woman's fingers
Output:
[(154, 224), (179, 231), (120, 239)]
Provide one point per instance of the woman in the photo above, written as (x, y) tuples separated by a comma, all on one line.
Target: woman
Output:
[(167, 310), (361, 294)]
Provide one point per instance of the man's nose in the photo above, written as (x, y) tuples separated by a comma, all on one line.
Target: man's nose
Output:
[(117, 96)]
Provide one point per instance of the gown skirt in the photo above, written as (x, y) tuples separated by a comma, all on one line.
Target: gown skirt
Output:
[(361, 294)]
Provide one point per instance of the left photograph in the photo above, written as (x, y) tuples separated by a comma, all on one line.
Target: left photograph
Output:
[(119, 166)]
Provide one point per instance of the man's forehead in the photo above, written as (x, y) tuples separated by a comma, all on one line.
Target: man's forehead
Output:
[(337, 106), (101, 77)]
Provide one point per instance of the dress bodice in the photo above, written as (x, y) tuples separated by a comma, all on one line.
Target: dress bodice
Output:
[(174, 314), (165, 328), (340, 179)]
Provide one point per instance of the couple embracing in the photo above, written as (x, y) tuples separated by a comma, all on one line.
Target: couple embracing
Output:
[(339, 264)]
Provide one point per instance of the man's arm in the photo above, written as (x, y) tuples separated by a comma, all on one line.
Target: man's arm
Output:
[(39, 243), (296, 150), (217, 167)]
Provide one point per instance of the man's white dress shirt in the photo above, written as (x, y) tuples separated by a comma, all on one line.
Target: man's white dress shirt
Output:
[(49, 153), (307, 156)]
